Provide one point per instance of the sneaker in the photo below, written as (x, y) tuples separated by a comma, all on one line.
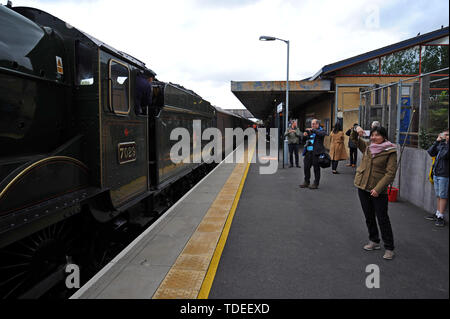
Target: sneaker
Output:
[(432, 217), (291, 166), (348, 165), (372, 246), (297, 166), (304, 185), (353, 165), (388, 254), (313, 186), (335, 172), (440, 222)]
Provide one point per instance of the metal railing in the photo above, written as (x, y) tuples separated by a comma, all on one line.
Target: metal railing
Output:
[(402, 107)]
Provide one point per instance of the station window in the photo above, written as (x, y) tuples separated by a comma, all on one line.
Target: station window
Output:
[(403, 62), (119, 75), (85, 63), (434, 57), (365, 68)]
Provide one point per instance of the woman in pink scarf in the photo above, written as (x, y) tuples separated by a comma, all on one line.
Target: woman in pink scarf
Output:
[(375, 172)]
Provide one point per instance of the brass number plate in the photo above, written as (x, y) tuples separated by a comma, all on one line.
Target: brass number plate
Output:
[(127, 152)]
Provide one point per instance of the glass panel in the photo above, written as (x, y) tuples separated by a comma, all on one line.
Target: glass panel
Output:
[(368, 67), (401, 62), (119, 75), (443, 40), (438, 112), (434, 58), (85, 61)]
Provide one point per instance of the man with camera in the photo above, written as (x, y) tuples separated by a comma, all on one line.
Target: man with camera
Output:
[(440, 176), (314, 137), (294, 135)]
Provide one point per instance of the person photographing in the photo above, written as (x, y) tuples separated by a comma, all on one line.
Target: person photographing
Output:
[(352, 147), (294, 135), (376, 171), (314, 137), (439, 149)]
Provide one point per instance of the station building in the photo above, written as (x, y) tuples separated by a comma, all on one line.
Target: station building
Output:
[(333, 93)]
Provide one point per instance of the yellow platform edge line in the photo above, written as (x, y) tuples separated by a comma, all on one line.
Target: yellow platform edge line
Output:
[(212, 269)]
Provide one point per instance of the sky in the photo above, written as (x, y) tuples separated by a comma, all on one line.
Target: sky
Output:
[(205, 44)]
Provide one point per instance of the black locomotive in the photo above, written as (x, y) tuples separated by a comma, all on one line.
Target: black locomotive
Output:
[(73, 152)]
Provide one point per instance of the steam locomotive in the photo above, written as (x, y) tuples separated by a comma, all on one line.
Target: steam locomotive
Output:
[(75, 159)]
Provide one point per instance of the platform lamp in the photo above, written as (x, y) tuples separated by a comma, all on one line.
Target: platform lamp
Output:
[(285, 149)]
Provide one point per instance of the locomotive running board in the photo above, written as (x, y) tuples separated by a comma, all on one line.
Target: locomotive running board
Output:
[(29, 220), (134, 201)]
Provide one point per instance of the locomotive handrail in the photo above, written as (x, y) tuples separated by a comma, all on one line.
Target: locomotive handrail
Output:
[(31, 76)]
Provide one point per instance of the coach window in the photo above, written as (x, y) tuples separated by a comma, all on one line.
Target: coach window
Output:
[(119, 88), (84, 62)]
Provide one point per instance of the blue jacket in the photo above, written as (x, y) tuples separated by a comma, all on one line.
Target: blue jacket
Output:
[(440, 150)]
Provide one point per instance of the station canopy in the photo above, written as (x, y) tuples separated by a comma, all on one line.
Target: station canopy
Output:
[(262, 97)]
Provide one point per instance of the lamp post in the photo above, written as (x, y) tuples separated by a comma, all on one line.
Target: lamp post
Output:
[(285, 149)]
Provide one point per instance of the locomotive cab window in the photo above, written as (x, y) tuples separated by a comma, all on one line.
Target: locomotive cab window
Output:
[(119, 87), (85, 62)]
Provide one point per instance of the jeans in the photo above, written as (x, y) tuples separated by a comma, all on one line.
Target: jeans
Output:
[(293, 150), (311, 160), (441, 186), (334, 165), (353, 155), (376, 209)]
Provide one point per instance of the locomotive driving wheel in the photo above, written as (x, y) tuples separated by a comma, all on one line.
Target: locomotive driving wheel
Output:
[(35, 264)]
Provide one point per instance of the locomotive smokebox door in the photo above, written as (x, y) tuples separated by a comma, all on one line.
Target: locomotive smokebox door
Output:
[(124, 150)]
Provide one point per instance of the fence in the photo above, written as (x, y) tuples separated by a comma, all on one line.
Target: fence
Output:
[(413, 110)]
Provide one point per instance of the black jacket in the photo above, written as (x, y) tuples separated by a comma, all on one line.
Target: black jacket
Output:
[(350, 142), (318, 147), (143, 95), (440, 150)]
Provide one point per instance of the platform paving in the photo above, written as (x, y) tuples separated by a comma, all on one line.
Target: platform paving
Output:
[(138, 271), (287, 242)]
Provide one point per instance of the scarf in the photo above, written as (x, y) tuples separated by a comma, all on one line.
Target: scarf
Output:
[(377, 148)]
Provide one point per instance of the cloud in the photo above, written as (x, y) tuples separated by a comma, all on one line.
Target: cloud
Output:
[(224, 3), (203, 45)]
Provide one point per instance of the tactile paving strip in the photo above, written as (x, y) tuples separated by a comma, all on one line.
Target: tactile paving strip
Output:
[(186, 276)]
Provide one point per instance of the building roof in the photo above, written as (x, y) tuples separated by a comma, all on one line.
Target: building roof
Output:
[(427, 37), (261, 97)]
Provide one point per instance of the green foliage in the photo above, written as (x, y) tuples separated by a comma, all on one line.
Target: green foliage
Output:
[(426, 138), (401, 62), (434, 58), (438, 113)]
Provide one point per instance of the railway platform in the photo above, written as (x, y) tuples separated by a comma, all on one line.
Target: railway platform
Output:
[(239, 234)]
